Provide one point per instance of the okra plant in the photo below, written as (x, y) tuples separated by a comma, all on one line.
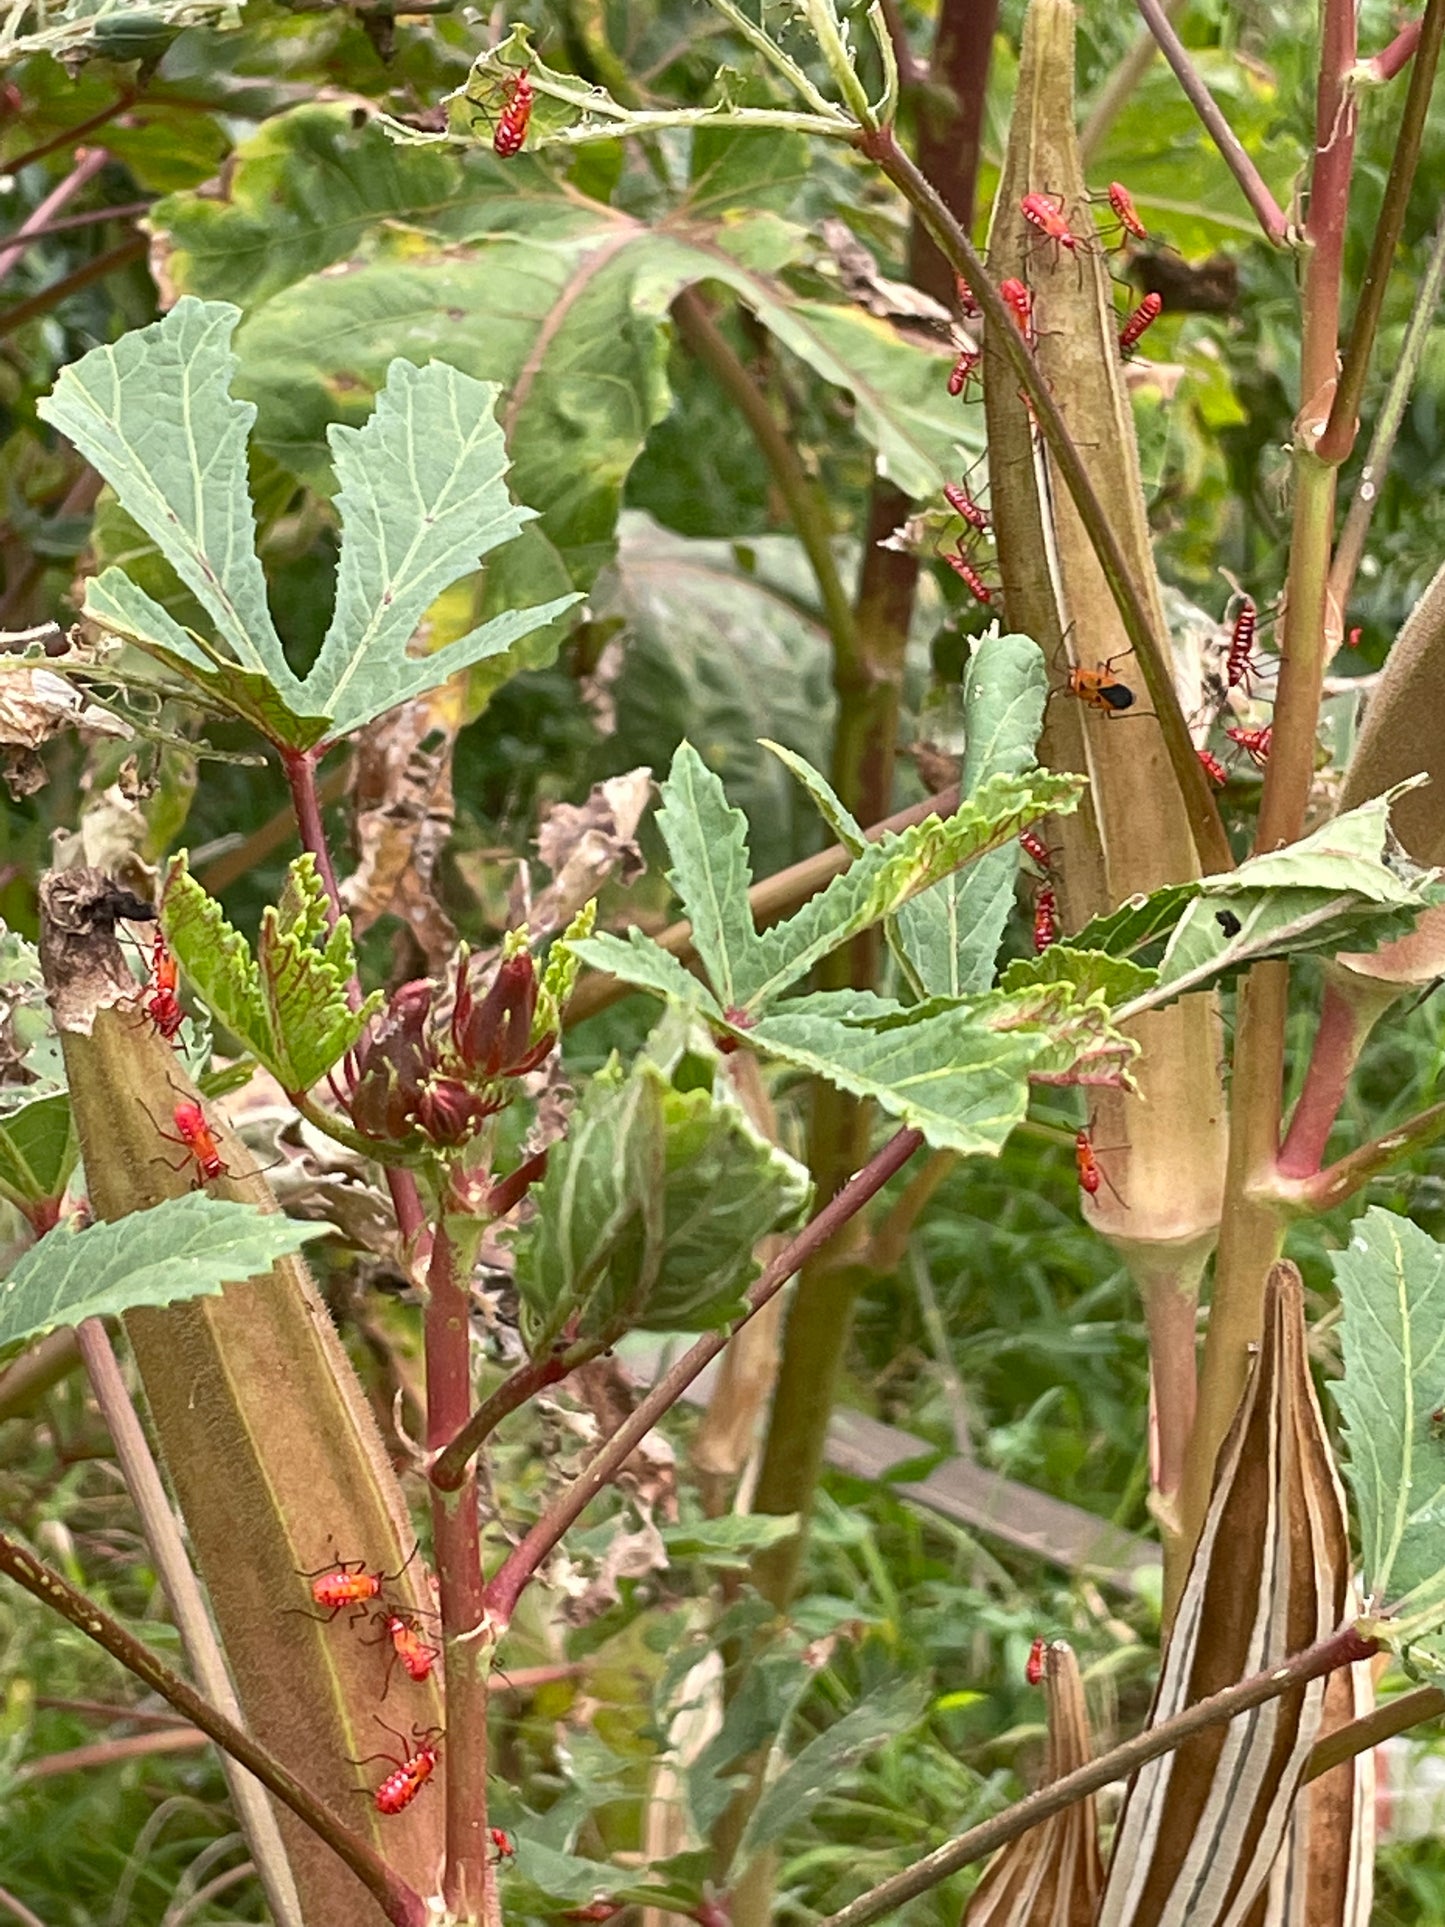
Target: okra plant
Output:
[(424, 340)]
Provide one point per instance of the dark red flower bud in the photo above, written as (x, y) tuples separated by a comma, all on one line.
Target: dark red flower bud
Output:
[(494, 1037), (449, 1113), (393, 1063)]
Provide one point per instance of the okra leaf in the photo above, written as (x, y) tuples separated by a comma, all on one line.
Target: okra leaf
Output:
[(947, 938), (423, 498), (1087, 973), (289, 1004), (117, 30), (185, 1248), (896, 868), (637, 960), (943, 1070), (307, 966), (650, 1210), (153, 413), (821, 1767), (731, 1541), (217, 962), (1141, 926), (707, 840), (1391, 1279), (38, 1150)]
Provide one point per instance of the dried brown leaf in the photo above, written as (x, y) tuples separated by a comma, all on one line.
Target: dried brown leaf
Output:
[(401, 788), (583, 844)]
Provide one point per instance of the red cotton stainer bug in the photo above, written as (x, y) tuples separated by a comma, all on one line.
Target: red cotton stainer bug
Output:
[(963, 504), (963, 370), (511, 133), (1254, 742), (410, 1773), (1034, 845), (967, 574), (193, 1131), (1125, 213), (1046, 213), (1239, 664), (1020, 304), (350, 1582), (162, 1005), (1213, 768), (1046, 920), (1034, 1670), (1143, 318), (407, 1645)]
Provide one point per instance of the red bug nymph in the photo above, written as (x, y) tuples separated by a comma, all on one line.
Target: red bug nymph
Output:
[(963, 504), (1046, 919), (1239, 664), (1090, 1176), (410, 1773), (1020, 304), (161, 1003), (407, 1645), (1034, 1670), (511, 133), (1125, 213), (1046, 213), (1213, 768), (963, 370), (193, 1131), (1143, 318), (1034, 845), (967, 574), (1254, 742)]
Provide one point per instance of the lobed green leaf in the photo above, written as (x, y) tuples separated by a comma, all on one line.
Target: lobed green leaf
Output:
[(185, 1248)]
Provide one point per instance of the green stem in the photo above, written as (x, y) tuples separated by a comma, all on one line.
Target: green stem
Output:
[(763, 43), (1373, 1729), (1339, 435), (806, 505), (468, 1886), (1342, 1648), (402, 1906), (1208, 831)]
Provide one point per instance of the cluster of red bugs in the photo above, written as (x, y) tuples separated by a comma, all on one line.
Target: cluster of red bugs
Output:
[(352, 1587), (1048, 215), (1240, 669)]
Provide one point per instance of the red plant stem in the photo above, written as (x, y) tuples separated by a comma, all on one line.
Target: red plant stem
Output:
[(1342, 1648), (1340, 430), (88, 217), (1339, 1180), (521, 1385), (1388, 62), (1343, 1028), (512, 1576), (80, 1759), (18, 1910), (401, 1904), (117, 106), (88, 163), (300, 768), (1267, 210), (466, 1881), (25, 312)]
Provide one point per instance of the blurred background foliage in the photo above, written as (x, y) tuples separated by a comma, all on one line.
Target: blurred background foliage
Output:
[(243, 166)]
